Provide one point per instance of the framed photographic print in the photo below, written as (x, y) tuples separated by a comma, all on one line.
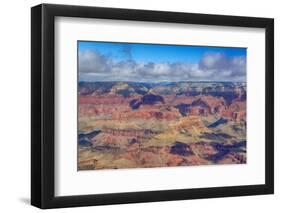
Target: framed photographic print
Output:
[(139, 106)]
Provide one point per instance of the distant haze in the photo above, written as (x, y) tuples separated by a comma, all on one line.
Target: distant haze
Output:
[(107, 61)]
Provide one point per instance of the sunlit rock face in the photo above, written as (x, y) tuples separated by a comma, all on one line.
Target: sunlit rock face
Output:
[(141, 125)]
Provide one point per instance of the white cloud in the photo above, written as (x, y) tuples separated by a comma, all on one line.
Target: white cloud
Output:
[(94, 66), (93, 62)]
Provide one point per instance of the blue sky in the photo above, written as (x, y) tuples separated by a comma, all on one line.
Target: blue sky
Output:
[(105, 61), (156, 52)]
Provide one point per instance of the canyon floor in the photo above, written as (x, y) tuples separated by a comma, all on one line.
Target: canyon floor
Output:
[(142, 125)]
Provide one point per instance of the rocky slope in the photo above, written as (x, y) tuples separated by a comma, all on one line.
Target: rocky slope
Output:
[(128, 125)]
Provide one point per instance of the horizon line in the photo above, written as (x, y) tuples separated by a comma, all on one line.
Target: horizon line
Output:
[(190, 81)]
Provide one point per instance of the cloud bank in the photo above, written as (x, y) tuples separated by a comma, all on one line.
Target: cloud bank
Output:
[(213, 66)]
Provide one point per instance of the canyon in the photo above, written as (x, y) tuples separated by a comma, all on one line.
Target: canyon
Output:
[(144, 125)]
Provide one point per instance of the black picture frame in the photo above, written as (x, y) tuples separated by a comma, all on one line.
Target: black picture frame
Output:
[(43, 102)]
